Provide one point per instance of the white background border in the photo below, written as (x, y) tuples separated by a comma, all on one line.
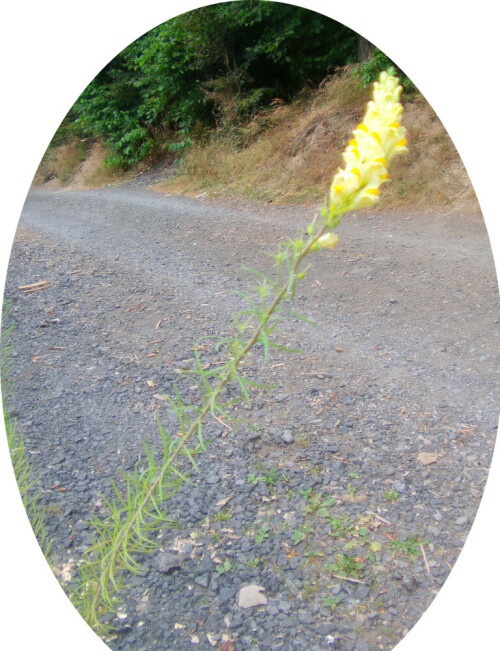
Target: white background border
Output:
[(50, 51)]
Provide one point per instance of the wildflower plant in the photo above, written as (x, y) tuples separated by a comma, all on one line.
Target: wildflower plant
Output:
[(139, 509)]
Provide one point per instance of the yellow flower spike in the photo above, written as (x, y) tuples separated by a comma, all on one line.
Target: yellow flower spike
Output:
[(376, 141)]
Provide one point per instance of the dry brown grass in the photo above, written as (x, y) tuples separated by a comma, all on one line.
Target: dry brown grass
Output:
[(290, 154), (431, 174), (75, 165), (93, 173), (59, 164)]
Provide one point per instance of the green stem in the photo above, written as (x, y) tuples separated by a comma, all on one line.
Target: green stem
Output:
[(108, 570)]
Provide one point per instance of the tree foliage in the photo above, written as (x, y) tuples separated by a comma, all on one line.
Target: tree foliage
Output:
[(378, 61), (214, 65)]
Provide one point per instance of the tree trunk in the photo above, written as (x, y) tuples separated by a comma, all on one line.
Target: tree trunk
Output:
[(365, 48)]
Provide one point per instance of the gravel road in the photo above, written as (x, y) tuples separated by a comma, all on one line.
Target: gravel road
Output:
[(367, 461)]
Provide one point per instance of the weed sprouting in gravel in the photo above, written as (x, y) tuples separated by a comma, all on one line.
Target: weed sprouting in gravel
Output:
[(331, 602), (224, 567), (272, 477), (391, 496), (409, 547), (351, 492), (301, 534), (340, 526), (319, 505), (303, 439), (222, 516), (262, 533), (347, 565)]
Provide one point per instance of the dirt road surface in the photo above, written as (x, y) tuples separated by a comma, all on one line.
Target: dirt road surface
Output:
[(355, 481)]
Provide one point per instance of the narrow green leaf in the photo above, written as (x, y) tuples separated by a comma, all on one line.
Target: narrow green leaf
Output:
[(288, 350)]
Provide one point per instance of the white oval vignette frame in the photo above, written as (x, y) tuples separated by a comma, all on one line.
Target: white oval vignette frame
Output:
[(50, 52)]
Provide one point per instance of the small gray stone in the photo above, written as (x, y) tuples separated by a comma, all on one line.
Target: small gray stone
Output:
[(272, 610), (214, 582), (326, 628), (225, 594), (202, 580), (253, 436), (362, 592), (306, 617), (410, 584), (235, 621), (287, 437), (462, 520), (337, 466), (400, 486), (166, 562), (284, 606)]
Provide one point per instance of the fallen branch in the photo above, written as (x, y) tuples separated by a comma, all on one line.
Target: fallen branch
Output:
[(36, 287), (425, 561), (42, 282)]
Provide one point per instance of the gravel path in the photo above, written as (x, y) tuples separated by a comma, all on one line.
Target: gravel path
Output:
[(367, 460)]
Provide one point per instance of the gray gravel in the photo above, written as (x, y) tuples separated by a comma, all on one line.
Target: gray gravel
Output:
[(402, 361)]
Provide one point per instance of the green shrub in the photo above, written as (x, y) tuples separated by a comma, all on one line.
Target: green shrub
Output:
[(369, 71), (215, 65)]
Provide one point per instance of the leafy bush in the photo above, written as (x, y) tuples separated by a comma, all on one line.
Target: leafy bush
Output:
[(216, 65), (369, 71)]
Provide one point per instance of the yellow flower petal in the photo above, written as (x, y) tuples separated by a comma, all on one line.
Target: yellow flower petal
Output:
[(328, 241)]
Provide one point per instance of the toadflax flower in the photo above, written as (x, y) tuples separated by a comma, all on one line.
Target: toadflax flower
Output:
[(376, 141), (326, 241)]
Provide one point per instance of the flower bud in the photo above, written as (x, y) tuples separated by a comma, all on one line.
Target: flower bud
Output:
[(327, 241)]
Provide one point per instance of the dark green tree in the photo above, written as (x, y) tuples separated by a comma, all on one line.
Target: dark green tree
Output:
[(216, 64)]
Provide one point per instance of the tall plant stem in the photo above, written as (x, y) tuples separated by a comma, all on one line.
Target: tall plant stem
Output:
[(107, 572)]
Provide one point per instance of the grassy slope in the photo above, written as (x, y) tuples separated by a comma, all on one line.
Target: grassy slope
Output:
[(289, 153)]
